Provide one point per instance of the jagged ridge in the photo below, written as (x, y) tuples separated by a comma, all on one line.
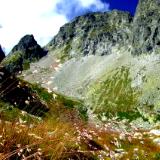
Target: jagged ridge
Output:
[(25, 52)]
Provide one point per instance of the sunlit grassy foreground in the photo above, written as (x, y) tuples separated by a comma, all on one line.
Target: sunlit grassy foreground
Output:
[(66, 136), (66, 133)]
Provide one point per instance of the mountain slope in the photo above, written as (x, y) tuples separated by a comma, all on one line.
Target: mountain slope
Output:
[(103, 59), (97, 91), (93, 34)]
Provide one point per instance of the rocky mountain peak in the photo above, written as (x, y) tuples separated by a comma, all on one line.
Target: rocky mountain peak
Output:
[(2, 55), (25, 43), (101, 33), (93, 33), (146, 28), (30, 47), (25, 52)]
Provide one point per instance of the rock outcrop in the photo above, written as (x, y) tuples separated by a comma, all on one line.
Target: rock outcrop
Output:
[(101, 33), (94, 33), (146, 28), (2, 55), (25, 52)]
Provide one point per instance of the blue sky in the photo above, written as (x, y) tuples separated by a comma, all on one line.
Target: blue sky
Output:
[(75, 7), (124, 5), (43, 18)]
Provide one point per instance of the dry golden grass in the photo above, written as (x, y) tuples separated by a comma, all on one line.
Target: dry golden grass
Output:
[(62, 135), (47, 138)]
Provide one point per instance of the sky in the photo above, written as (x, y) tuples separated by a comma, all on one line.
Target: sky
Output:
[(43, 18)]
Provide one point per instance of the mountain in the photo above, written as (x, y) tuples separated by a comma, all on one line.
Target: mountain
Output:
[(93, 33), (2, 55), (25, 52), (105, 59), (93, 92)]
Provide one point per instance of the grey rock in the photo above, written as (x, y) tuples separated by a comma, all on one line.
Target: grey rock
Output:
[(146, 27), (25, 52), (157, 141), (97, 33), (100, 33), (2, 55)]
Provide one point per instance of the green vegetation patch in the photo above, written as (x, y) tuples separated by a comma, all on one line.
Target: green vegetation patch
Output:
[(104, 29), (42, 93), (63, 54), (61, 100), (113, 95), (74, 103), (13, 58)]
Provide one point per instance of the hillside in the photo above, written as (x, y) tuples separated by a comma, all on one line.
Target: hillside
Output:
[(93, 92), (98, 51)]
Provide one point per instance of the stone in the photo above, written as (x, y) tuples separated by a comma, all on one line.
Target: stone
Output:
[(155, 132), (157, 141), (94, 33), (2, 55), (146, 28), (22, 54)]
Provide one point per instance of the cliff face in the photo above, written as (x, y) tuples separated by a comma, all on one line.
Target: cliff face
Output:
[(94, 33), (146, 27), (101, 33)]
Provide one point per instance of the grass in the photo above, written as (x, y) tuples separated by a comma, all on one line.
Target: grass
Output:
[(61, 100), (42, 93), (62, 135), (65, 133), (64, 54), (64, 139), (13, 62), (113, 95), (55, 137)]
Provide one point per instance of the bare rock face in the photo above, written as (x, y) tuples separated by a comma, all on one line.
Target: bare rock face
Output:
[(94, 33), (146, 28), (101, 33), (2, 55), (25, 52)]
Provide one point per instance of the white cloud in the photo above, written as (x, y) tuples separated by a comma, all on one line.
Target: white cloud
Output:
[(42, 18), (87, 3), (79, 7), (20, 17)]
